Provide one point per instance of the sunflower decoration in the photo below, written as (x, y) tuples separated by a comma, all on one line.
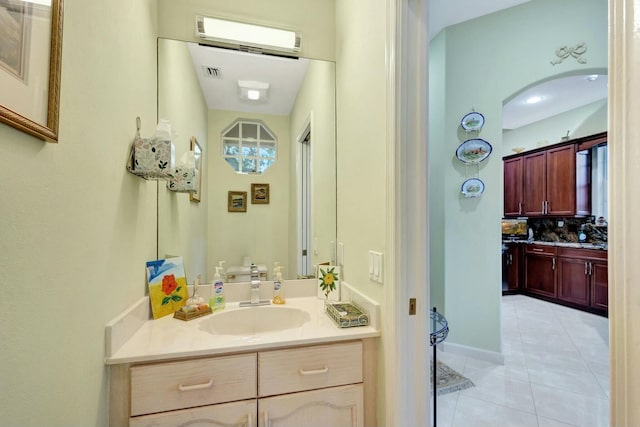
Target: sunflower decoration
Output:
[(328, 280)]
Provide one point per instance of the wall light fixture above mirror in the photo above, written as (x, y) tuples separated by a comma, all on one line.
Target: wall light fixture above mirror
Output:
[(241, 35)]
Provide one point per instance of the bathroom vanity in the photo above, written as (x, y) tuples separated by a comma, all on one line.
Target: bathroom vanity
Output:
[(167, 372)]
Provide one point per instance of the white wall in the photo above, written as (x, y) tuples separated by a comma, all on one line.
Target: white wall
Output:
[(75, 227), (584, 121), (182, 224), (480, 74)]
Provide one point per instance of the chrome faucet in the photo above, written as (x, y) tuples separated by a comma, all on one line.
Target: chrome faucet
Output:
[(255, 284), (255, 290)]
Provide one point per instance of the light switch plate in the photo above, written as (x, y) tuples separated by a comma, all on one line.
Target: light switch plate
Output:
[(376, 262)]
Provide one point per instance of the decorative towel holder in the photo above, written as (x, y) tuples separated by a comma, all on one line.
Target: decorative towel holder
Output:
[(152, 158)]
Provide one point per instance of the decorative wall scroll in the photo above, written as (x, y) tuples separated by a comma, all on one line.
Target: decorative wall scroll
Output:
[(576, 52)]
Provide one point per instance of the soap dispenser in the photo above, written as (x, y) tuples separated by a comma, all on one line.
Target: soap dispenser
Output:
[(217, 301), (277, 287)]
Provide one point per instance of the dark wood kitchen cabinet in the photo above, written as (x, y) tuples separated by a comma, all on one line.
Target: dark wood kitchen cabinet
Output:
[(513, 187), (540, 270), (513, 262), (583, 277), (600, 285), (550, 182), (576, 277), (573, 280)]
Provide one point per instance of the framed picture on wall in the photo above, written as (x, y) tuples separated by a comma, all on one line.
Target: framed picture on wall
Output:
[(197, 151), (260, 194), (30, 63), (237, 201)]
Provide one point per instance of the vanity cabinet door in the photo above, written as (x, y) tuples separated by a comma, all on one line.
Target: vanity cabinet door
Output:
[(335, 407), (236, 414)]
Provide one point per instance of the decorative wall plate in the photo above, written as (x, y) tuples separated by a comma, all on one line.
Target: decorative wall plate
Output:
[(473, 150), (472, 121), (473, 187)]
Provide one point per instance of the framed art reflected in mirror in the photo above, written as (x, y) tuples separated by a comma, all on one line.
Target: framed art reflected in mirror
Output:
[(32, 41), (197, 151), (260, 194), (237, 201)]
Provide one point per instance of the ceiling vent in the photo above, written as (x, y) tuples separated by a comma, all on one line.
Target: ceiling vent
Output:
[(212, 72)]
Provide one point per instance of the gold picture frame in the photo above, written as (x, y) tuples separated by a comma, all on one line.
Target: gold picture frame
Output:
[(260, 194), (36, 30), (237, 201), (197, 150)]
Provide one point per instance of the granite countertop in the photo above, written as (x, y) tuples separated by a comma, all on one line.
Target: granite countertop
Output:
[(599, 246)]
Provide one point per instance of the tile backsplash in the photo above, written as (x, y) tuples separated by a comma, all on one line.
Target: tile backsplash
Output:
[(566, 230)]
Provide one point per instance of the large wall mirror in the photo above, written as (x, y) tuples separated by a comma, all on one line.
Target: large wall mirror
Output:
[(281, 145)]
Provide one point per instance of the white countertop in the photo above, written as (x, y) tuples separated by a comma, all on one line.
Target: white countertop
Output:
[(169, 338)]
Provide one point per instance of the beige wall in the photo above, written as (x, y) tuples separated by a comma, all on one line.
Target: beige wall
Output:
[(182, 224), (362, 146), (75, 227), (263, 231), (316, 103), (362, 131)]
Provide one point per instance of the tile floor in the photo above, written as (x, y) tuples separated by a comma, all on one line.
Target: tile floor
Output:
[(555, 374)]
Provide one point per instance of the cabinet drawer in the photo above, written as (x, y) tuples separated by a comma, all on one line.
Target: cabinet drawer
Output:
[(582, 253), (286, 371), (234, 414), (185, 384), (540, 249)]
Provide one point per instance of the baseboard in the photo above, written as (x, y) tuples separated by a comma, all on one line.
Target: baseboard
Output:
[(473, 352)]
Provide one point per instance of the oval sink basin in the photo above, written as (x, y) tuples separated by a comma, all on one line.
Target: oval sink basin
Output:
[(254, 320)]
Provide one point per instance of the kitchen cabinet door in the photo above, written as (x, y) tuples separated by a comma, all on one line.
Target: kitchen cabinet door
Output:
[(540, 277), (599, 285), (535, 183), (513, 187), (561, 181), (514, 259), (573, 280), (335, 407)]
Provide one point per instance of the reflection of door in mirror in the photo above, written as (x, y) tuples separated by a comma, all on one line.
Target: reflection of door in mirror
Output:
[(304, 230), (198, 91)]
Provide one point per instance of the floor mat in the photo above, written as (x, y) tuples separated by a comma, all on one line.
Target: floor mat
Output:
[(449, 380)]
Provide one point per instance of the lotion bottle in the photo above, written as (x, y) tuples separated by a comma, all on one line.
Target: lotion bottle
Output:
[(277, 287), (217, 301)]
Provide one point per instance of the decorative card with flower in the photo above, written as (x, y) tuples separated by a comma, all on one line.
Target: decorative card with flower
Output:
[(329, 282), (167, 285)]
